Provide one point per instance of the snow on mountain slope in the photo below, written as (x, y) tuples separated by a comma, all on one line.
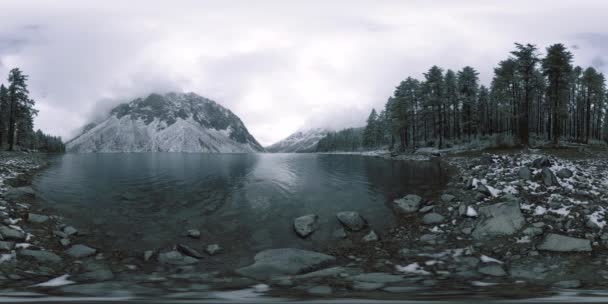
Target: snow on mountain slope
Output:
[(173, 122), (301, 141)]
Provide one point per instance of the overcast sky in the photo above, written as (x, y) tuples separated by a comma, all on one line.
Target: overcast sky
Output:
[(279, 65)]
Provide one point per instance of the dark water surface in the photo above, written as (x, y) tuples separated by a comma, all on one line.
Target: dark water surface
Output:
[(244, 202)]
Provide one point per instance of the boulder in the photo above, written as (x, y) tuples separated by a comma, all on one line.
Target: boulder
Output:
[(69, 230), (408, 204), (37, 218), (549, 178), (80, 251), (285, 261), (366, 286), (175, 258), (570, 284), (432, 218), (562, 243), (322, 290), (541, 162), (378, 277), (483, 189), (6, 246), (339, 233), (187, 250), (193, 233), (524, 173), (40, 256), (12, 234), (95, 271), (494, 270), (305, 225), (351, 220), (499, 219), (564, 173), (148, 255), (370, 237), (213, 249), (447, 198), (20, 194)]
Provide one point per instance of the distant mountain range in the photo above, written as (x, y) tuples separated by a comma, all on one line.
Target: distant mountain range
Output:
[(299, 142), (172, 122)]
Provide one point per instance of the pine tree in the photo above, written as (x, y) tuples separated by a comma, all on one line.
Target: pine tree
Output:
[(451, 96), (557, 66), (467, 87), (4, 109), (525, 60), (20, 105), (370, 133), (433, 91)]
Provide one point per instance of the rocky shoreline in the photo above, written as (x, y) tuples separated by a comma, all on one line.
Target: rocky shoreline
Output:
[(510, 224)]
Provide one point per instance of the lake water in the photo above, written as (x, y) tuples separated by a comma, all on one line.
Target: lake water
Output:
[(244, 202)]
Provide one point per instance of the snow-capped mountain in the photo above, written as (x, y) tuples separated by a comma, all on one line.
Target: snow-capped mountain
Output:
[(173, 122), (299, 142)]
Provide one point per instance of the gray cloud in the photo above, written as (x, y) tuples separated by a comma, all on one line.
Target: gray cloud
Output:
[(280, 65)]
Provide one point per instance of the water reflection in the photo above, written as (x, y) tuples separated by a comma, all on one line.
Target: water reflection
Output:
[(245, 203)]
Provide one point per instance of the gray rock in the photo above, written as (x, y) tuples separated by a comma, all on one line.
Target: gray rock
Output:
[(571, 284), (284, 261), (378, 277), (447, 198), (187, 250), (426, 209), (321, 290), (305, 225), (370, 237), (401, 289), (562, 243), (492, 270), (95, 271), (12, 234), (40, 256), (432, 218), (7, 246), (193, 233), (37, 218), (428, 238), (481, 188), (366, 286), (213, 249), (408, 204), (541, 162), (97, 275), (64, 242), (533, 231), (499, 219), (339, 233), (69, 230), (148, 255), (524, 173), (549, 178), (351, 220), (80, 251), (20, 194), (175, 258), (564, 173)]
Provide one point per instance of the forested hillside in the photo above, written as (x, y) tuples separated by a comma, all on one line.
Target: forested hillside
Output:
[(533, 98), (17, 118)]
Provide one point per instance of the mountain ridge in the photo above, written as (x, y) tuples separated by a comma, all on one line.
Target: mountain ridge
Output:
[(303, 141), (170, 122)]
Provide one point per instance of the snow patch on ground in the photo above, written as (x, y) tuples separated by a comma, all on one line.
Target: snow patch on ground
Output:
[(412, 268), (59, 281)]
